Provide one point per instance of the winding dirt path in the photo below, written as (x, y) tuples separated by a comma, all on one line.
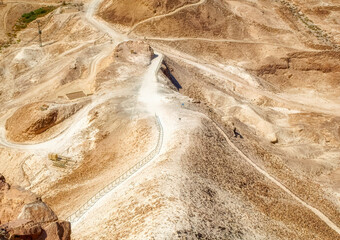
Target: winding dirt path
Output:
[(31, 2), (205, 67), (59, 141), (5, 19), (100, 24), (165, 15), (318, 213), (148, 97)]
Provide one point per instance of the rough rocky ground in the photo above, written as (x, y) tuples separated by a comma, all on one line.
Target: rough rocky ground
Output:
[(24, 216), (268, 70)]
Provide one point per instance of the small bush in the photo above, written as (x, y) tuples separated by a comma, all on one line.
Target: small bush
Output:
[(22, 23), (26, 18)]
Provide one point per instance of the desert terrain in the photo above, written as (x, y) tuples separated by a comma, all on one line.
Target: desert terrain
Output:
[(182, 119)]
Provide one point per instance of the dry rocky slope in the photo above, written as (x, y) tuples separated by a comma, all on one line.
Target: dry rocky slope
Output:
[(35, 119), (268, 70), (24, 216)]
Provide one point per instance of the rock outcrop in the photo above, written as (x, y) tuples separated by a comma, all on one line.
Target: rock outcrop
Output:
[(138, 52), (23, 215), (128, 60)]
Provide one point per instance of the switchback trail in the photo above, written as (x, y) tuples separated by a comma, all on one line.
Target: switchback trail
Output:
[(149, 103), (149, 98), (61, 140)]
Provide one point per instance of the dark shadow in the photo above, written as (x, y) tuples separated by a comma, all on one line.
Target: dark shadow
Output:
[(154, 56), (47, 44), (236, 134), (174, 81), (43, 235)]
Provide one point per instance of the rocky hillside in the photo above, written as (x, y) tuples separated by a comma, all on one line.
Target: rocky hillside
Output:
[(186, 119), (128, 13), (25, 216)]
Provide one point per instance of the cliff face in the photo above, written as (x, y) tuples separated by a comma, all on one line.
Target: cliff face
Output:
[(25, 216)]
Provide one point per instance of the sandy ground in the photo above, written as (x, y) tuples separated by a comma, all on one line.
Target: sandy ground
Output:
[(279, 182)]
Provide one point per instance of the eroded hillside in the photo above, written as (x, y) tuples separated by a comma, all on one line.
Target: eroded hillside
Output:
[(202, 119)]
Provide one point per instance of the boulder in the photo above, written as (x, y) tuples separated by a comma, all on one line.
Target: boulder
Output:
[(25, 229), (59, 230), (22, 229), (24, 215), (3, 184), (37, 212), (12, 201)]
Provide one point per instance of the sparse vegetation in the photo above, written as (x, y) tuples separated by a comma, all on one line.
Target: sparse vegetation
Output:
[(321, 35), (26, 18), (6, 44), (23, 22)]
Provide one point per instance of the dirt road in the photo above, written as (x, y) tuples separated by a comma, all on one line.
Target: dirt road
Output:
[(101, 25), (166, 15), (318, 213), (224, 75)]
